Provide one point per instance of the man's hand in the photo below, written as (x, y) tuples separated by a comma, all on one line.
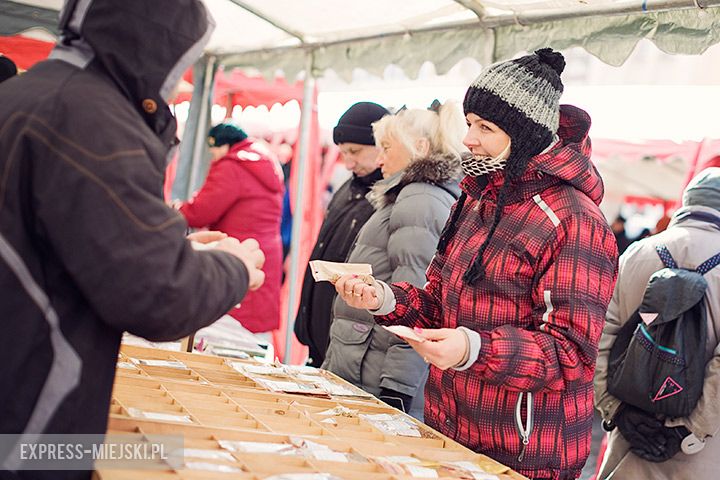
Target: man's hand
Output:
[(358, 294), (249, 252), (443, 347)]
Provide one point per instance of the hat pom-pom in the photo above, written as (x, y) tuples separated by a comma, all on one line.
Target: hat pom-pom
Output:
[(552, 58)]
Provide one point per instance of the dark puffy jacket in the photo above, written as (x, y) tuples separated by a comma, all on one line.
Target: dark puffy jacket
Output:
[(347, 213), (88, 249)]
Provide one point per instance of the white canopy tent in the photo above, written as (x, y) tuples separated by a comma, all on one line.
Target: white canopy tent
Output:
[(342, 34), (314, 35)]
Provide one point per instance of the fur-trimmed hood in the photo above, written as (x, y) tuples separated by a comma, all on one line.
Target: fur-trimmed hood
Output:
[(438, 170)]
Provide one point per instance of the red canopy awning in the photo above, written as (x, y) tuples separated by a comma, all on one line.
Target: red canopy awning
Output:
[(235, 88)]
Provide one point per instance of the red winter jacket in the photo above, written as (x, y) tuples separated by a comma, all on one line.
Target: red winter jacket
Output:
[(551, 267), (242, 196)]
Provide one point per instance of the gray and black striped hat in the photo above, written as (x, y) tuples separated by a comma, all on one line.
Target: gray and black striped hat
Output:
[(522, 97)]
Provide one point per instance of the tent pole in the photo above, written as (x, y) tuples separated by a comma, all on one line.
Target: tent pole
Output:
[(195, 128), (692, 168), (201, 130), (304, 150)]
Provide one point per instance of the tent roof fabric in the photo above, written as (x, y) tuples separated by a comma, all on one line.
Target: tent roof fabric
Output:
[(343, 35)]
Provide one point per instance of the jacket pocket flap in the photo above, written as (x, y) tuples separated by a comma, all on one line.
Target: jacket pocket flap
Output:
[(350, 332)]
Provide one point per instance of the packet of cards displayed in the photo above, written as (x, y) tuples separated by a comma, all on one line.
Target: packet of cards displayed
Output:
[(323, 271)]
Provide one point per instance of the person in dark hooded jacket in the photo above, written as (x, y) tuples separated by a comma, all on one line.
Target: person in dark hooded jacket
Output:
[(88, 248), (516, 296)]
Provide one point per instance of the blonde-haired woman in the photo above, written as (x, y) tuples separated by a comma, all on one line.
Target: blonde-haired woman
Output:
[(420, 162)]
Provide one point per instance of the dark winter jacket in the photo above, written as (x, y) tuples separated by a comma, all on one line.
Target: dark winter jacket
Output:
[(88, 249), (347, 213), (398, 241), (550, 270), (242, 196)]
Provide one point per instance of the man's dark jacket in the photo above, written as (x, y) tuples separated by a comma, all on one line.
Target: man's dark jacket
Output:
[(88, 249), (347, 213)]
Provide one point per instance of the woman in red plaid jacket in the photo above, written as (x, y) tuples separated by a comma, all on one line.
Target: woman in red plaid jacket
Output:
[(516, 296)]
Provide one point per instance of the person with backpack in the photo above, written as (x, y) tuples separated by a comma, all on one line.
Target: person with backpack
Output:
[(660, 349)]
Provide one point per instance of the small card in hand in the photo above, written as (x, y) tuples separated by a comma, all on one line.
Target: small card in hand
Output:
[(404, 332), (323, 271)]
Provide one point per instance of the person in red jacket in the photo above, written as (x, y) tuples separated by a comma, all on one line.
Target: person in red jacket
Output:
[(242, 196), (517, 292)]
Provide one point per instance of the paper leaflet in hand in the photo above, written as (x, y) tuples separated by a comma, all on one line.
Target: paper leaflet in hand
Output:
[(404, 332), (323, 271)]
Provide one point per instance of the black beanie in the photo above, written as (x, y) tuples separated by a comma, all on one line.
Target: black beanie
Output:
[(355, 125), (225, 134), (522, 97), (7, 68)]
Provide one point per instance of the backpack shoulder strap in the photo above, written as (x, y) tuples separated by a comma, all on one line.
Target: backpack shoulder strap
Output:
[(669, 261), (665, 256), (708, 264)]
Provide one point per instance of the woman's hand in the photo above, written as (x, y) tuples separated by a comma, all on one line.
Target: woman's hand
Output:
[(443, 347), (358, 293)]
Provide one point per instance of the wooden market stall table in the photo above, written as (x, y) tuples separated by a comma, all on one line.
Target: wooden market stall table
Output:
[(238, 421)]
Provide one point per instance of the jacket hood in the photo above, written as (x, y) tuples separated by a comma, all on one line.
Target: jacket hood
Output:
[(568, 161), (700, 200), (704, 190), (143, 46), (442, 170), (252, 154)]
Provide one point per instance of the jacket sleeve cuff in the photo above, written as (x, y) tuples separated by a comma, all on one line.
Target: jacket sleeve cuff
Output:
[(474, 344), (609, 407), (388, 304)]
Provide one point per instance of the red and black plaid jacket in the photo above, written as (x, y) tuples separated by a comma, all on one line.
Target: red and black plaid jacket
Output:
[(550, 272)]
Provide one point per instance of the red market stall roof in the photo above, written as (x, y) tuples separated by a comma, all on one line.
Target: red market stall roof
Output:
[(231, 88), (651, 172), (236, 88)]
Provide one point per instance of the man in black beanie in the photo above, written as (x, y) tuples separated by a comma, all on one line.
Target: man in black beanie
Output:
[(347, 213), (8, 69)]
